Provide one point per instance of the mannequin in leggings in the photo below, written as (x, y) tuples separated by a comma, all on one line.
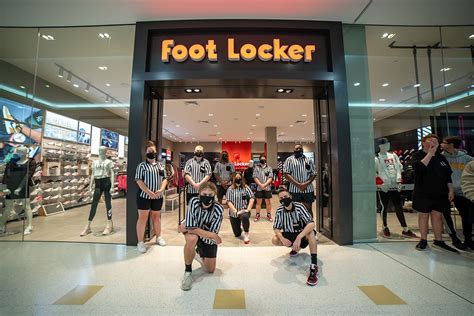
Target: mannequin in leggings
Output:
[(388, 168), (18, 173), (102, 179)]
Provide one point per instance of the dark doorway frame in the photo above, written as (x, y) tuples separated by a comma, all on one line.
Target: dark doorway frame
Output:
[(143, 94)]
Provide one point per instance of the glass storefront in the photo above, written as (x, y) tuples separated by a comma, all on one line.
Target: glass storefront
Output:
[(65, 92)]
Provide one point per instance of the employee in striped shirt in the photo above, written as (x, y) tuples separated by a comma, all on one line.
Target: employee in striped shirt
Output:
[(200, 228), (197, 171), (300, 172), (294, 228), (223, 171), (263, 176), (240, 199), (151, 180)]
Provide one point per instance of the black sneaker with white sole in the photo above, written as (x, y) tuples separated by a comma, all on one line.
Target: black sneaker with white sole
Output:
[(422, 245), (442, 245)]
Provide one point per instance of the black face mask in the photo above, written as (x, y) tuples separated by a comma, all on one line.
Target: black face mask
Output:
[(206, 200), (198, 153), (238, 181), (286, 201), (263, 161), (151, 155), (298, 153)]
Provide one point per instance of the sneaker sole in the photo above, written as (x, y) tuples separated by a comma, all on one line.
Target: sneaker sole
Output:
[(311, 284), (440, 248)]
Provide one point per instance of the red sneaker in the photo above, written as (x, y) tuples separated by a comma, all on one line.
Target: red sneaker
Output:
[(409, 234), (257, 217), (269, 217), (313, 276), (293, 253), (386, 232)]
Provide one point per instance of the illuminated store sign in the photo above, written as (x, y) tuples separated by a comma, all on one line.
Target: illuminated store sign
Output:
[(276, 51)]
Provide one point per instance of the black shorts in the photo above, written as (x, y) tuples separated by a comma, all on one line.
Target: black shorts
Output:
[(263, 194), (426, 205), (205, 250), (149, 204), (221, 192), (292, 237), (303, 197)]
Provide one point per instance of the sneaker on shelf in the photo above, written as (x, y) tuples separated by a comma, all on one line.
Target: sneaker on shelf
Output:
[(67, 174), (187, 282), (141, 247), (160, 241), (48, 190), (457, 243), (67, 188), (313, 275), (57, 189), (108, 229), (422, 245), (409, 234), (75, 174), (293, 253), (74, 181), (269, 217), (257, 217), (47, 198), (36, 191), (386, 232), (28, 230), (68, 167), (442, 245), (37, 199), (246, 239)]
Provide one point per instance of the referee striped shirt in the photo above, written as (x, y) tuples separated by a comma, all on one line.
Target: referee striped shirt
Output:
[(152, 175), (301, 169), (207, 219), (239, 197), (263, 174), (293, 221), (224, 170), (197, 170)]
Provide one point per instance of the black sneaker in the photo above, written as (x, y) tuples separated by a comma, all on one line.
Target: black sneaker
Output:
[(469, 245), (458, 244), (442, 245), (422, 245)]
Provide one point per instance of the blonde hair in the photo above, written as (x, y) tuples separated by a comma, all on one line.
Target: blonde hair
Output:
[(208, 185)]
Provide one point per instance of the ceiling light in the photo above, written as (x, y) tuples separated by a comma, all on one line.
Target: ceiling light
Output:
[(356, 84), (280, 90), (47, 86), (61, 72), (22, 87), (257, 114), (197, 90), (391, 35), (291, 125), (107, 84), (382, 100), (471, 36), (448, 84), (289, 90), (76, 85), (103, 67), (47, 37), (374, 119), (104, 36), (445, 69), (467, 106), (312, 133), (253, 125), (189, 90), (87, 88), (164, 115), (385, 84), (385, 35), (304, 115), (324, 115), (417, 85), (194, 138), (178, 126), (69, 77), (210, 114), (186, 133), (215, 125)]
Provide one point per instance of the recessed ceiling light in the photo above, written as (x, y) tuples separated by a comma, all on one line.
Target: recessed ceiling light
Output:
[(448, 84), (103, 67), (312, 133), (382, 100), (189, 90), (107, 84), (104, 36), (471, 36), (467, 106), (47, 37), (356, 84), (61, 73), (391, 35), (165, 115), (324, 115), (22, 87), (197, 90), (69, 77), (304, 115), (289, 90), (177, 126), (280, 90), (194, 138), (374, 119), (186, 133), (445, 69), (210, 114), (385, 84), (257, 114), (385, 35), (253, 125), (76, 85), (47, 86), (215, 125), (291, 125), (417, 85)]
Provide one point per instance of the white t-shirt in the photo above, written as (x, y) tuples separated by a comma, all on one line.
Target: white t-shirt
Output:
[(102, 168), (388, 168)]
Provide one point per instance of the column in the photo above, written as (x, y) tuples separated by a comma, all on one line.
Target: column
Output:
[(272, 149)]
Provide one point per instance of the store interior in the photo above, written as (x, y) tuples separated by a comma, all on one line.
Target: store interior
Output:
[(64, 97)]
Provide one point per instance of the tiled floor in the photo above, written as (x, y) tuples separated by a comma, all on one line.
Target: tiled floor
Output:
[(35, 275)]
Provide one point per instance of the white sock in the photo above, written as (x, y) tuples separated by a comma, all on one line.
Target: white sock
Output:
[(405, 229)]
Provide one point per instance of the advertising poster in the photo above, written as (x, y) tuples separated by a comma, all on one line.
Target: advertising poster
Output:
[(84, 133), (60, 120), (95, 140), (60, 133), (121, 148), (109, 139), (239, 153)]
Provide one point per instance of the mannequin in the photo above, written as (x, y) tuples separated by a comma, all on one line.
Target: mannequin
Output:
[(389, 169), (102, 178), (17, 178)]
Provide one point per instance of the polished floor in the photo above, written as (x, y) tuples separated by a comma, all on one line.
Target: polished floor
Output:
[(36, 277)]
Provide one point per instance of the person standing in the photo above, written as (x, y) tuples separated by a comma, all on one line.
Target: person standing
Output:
[(300, 173), (200, 228), (151, 180), (433, 191), (223, 171), (294, 228), (240, 199), (263, 177), (197, 171), (458, 160), (248, 175)]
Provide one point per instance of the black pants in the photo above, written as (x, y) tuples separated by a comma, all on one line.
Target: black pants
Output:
[(464, 207), (395, 197), (235, 222), (101, 186)]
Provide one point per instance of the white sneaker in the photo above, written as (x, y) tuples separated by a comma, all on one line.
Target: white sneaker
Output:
[(246, 239), (86, 231), (28, 230), (160, 241), (187, 282), (141, 247), (108, 229)]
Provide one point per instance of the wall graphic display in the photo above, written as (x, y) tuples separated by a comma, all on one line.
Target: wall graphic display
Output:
[(239, 153), (84, 134), (109, 139), (121, 148), (61, 121), (60, 127), (95, 140)]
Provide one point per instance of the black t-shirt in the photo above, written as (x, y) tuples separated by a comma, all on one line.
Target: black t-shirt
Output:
[(248, 175), (431, 181)]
